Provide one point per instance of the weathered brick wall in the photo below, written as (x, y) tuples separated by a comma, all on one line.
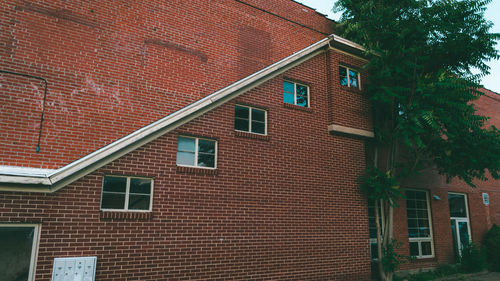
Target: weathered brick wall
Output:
[(285, 208), (115, 66)]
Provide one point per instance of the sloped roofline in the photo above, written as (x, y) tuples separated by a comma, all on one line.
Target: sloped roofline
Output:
[(48, 180)]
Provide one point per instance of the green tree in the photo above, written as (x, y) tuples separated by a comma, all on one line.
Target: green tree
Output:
[(425, 57)]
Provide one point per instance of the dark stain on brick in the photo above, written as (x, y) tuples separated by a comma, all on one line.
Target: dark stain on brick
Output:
[(63, 14), (177, 47), (255, 49)]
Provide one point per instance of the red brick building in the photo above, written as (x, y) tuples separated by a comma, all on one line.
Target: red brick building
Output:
[(215, 140)]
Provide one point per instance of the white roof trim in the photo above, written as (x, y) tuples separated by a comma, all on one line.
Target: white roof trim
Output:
[(52, 180)]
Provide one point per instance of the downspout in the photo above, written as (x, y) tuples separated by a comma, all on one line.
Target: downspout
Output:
[(43, 104)]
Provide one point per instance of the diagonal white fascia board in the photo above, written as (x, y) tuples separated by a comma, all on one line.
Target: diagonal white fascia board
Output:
[(108, 153)]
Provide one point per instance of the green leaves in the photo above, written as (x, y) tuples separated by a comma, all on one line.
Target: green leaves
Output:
[(378, 185), (421, 85)]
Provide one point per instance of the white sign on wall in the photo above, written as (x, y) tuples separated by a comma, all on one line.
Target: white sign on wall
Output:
[(74, 269), (486, 199)]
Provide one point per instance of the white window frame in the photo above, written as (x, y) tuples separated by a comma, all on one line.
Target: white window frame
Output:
[(295, 93), (349, 78), (127, 193), (423, 239), (382, 220), (196, 152), (250, 119), (34, 247), (457, 219)]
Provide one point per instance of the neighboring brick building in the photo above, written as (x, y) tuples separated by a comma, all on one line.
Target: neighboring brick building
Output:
[(214, 140)]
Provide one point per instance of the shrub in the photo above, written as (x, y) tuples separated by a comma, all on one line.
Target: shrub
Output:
[(445, 270), (492, 246), (472, 259)]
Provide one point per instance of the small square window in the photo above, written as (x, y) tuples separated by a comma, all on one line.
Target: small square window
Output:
[(196, 152), (249, 119), (349, 77), (126, 194), (295, 93)]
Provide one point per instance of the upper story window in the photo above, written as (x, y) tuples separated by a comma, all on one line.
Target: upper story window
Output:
[(196, 152), (250, 119), (349, 77), (419, 224), (126, 194), (295, 93)]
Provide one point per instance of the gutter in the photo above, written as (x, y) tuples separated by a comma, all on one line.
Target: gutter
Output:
[(54, 180)]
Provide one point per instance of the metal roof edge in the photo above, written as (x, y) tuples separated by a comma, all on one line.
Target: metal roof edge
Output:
[(85, 165)]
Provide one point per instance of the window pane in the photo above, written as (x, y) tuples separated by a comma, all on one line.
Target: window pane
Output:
[(421, 195), (15, 252), (258, 127), (373, 250), (411, 214), (422, 214), (301, 90), (138, 202), (206, 160), (413, 232), (113, 201), (241, 125), (114, 184), (241, 112), (288, 87), (185, 144), (457, 205), (185, 158), (414, 249), (353, 78), (288, 98), (343, 76), (140, 186), (258, 115), (302, 101), (426, 248), (420, 204), (412, 223), (206, 146), (411, 204)]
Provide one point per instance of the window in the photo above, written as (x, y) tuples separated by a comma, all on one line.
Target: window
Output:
[(196, 152), (18, 248), (349, 77), (295, 93), (419, 224), (126, 194), (372, 226), (249, 119), (460, 224)]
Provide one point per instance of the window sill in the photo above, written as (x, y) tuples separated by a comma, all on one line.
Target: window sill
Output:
[(113, 215), (297, 107), (251, 136), (424, 260), (351, 89), (196, 170)]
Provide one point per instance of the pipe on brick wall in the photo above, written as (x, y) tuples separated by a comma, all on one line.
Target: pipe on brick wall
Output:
[(43, 104)]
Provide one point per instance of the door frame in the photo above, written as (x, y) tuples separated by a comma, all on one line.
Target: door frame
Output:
[(461, 219)]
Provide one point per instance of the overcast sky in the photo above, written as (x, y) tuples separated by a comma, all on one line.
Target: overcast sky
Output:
[(491, 82)]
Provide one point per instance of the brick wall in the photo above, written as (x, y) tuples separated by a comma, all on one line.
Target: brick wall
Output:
[(286, 207), (481, 216), (115, 66)]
